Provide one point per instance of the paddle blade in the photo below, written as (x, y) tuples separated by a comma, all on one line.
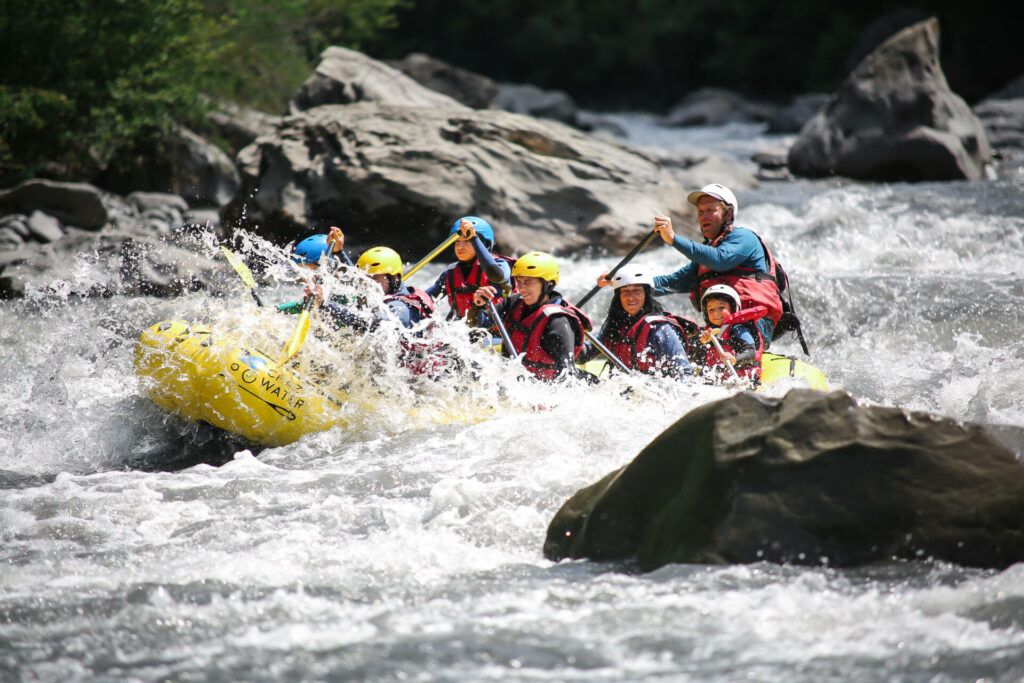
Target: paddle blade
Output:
[(430, 257), (240, 268), (746, 315), (297, 340)]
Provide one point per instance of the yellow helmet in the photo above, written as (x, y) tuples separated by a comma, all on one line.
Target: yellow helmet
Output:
[(537, 264), (381, 260)]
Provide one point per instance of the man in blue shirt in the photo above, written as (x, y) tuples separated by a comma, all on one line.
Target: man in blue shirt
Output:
[(729, 255)]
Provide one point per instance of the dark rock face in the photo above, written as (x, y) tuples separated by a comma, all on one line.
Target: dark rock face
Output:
[(895, 118), (810, 478), (401, 175)]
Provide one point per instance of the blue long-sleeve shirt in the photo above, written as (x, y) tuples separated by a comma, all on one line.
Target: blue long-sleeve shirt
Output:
[(739, 249), (395, 310)]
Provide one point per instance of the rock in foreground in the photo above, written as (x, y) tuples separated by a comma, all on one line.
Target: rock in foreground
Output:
[(810, 478)]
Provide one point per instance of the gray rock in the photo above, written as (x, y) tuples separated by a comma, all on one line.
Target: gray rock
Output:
[(187, 165), (812, 478), (345, 76), (466, 87), (77, 204), (399, 175), (10, 240), (110, 262), (895, 118), (44, 227), (1004, 121), (1014, 90), (716, 107), (530, 100), (795, 115), (239, 126), (144, 201)]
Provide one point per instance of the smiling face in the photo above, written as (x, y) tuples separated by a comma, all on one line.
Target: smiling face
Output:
[(711, 214), (718, 311), (632, 298), (530, 288), (464, 250)]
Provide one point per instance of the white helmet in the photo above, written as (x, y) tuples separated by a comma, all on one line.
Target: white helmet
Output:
[(632, 276), (720, 290), (719, 192)]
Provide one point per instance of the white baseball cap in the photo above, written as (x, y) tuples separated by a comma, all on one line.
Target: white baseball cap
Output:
[(719, 192)]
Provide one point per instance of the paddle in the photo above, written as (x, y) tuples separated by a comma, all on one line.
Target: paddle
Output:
[(430, 257), (606, 351), (299, 336), (505, 338), (625, 259), (244, 273), (746, 315)]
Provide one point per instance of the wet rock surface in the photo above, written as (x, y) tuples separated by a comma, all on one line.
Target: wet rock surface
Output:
[(812, 478)]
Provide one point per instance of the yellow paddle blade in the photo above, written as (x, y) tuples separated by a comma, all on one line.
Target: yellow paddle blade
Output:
[(240, 268), (297, 340), (430, 257)]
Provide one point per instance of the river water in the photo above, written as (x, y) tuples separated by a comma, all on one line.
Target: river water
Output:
[(407, 545)]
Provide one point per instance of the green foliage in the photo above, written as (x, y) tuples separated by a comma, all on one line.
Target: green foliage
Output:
[(273, 45), (648, 53), (88, 78)]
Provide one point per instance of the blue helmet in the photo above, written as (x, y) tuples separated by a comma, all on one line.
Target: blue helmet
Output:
[(310, 249), (482, 228)]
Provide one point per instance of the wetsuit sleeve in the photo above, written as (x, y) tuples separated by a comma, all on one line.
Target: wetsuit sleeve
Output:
[(744, 347), (291, 307), (668, 348), (439, 285), (739, 248), (497, 271), (681, 281), (345, 316)]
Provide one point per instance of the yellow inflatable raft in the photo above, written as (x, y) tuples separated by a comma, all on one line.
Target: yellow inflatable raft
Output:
[(213, 378), (774, 367)]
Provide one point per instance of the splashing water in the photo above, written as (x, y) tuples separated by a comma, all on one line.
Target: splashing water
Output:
[(407, 543)]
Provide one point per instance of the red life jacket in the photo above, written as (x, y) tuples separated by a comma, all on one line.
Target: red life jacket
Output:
[(527, 330), (754, 287), (751, 368), (460, 287), (631, 341), (416, 299)]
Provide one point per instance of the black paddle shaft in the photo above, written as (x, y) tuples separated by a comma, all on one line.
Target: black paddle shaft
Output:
[(625, 259)]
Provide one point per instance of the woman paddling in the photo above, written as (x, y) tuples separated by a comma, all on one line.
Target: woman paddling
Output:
[(639, 331)]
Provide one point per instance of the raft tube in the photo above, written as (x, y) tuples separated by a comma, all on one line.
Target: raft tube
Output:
[(774, 367), (213, 378)]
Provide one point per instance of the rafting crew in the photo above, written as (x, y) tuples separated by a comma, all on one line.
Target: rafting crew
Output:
[(640, 332), (543, 326), (403, 304), (729, 255), (742, 344), (477, 266)]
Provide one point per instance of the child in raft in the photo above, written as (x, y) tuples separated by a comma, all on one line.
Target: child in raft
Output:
[(741, 343)]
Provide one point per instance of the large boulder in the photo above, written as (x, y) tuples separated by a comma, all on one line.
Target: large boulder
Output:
[(895, 118), (471, 89), (811, 478), (238, 125), (345, 76), (400, 175)]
